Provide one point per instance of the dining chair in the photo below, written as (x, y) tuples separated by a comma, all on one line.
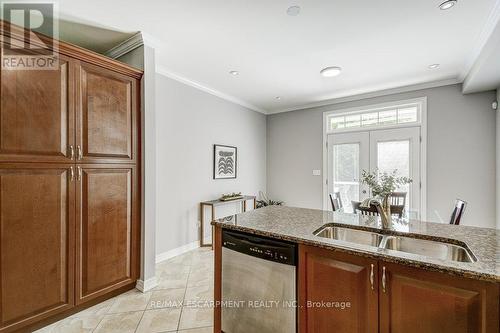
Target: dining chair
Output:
[(336, 201), (397, 198), (458, 211), (372, 211), (398, 203)]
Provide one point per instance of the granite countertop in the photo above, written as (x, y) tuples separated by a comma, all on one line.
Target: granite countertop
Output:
[(298, 224)]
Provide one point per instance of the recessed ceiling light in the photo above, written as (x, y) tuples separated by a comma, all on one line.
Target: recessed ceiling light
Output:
[(331, 71), (278, 98), (434, 66), (293, 11), (447, 4), (234, 73)]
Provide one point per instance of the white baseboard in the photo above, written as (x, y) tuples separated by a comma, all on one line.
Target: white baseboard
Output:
[(146, 285), (177, 251)]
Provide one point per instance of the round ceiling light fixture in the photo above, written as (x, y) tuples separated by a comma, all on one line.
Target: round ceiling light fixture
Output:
[(331, 71), (434, 66), (234, 73), (278, 98), (293, 11), (447, 4)]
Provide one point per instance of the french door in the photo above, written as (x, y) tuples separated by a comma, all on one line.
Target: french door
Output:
[(348, 156), (383, 150)]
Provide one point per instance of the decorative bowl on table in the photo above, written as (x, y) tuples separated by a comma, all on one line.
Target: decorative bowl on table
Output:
[(231, 196)]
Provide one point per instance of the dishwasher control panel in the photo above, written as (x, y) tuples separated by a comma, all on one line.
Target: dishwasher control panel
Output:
[(260, 247)]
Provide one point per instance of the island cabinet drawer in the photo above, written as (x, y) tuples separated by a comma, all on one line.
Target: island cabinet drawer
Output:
[(339, 292)]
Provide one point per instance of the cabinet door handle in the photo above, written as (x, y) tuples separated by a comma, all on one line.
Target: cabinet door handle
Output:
[(384, 280), (79, 177), (371, 276), (71, 152), (71, 174), (80, 152)]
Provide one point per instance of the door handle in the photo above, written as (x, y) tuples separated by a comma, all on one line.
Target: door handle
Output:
[(71, 174), (79, 177), (71, 152), (384, 280), (372, 276), (80, 152), (364, 191)]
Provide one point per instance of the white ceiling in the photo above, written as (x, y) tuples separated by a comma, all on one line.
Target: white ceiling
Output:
[(379, 44), (485, 72)]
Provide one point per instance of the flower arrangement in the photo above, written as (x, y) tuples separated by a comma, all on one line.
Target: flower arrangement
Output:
[(381, 186)]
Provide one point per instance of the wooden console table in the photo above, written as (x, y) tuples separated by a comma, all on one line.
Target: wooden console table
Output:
[(218, 202)]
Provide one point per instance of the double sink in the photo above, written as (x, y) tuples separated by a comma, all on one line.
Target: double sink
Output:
[(423, 247)]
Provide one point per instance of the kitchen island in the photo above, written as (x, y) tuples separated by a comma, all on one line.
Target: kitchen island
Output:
[(395, 280)]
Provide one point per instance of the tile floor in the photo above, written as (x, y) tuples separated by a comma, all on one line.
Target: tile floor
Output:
[(180, 303)]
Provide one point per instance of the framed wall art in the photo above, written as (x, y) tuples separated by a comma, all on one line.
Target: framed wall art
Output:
[(225, 162)]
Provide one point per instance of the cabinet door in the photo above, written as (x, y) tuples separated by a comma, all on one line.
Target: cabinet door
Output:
[(416, 301), (107, 116), (37, 114), (107, 231), (36, 243), (336, 292)]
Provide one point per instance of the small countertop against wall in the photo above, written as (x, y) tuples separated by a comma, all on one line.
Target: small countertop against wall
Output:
[(298, 225)]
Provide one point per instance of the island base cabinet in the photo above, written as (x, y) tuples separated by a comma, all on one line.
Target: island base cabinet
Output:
[(413, 300), (337, 292), (340, 292)]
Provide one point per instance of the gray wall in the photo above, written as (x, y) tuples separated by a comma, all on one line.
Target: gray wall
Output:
[(188, 122), (460, 153)]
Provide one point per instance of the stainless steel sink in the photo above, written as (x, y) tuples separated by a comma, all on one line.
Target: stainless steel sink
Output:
[(428, 248), (350, 235)]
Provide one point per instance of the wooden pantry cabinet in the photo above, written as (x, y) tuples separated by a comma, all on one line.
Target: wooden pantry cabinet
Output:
[(389, 298), (70, 196)]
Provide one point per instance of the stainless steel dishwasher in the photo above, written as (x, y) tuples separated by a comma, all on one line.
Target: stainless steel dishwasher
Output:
[(258, 284)]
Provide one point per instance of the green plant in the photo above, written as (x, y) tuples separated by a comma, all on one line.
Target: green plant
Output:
[(383, 184), (264, 201)]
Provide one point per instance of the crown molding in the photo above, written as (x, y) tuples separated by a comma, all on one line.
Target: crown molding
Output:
[(486, 33), (378, 93), (165, 72), (152, 41), (126, 46), (67, 49)]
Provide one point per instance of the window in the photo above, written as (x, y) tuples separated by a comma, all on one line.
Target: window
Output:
[(377, 117)]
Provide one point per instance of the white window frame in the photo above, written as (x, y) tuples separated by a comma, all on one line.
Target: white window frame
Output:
[(421, 122)]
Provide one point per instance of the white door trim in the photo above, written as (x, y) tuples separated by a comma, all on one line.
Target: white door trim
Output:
[(422, 101)]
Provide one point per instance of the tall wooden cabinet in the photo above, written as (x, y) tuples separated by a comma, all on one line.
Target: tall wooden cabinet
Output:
[(37, 242), (37, 114), (69, 186), (106, 232)]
